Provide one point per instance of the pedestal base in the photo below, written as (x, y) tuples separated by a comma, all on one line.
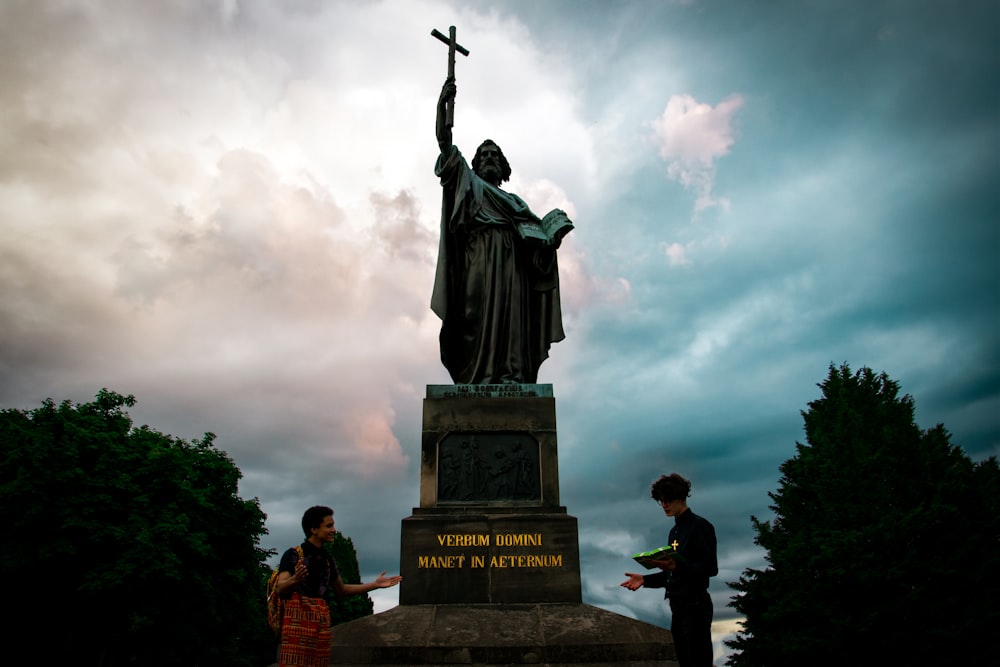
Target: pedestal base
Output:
[(539, 634)]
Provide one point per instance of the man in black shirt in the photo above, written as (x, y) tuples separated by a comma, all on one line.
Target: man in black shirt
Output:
[(685, 575)]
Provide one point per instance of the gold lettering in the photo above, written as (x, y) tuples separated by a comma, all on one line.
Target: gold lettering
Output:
[(454, 540), (438, 562), (458, 561), (518, 540)]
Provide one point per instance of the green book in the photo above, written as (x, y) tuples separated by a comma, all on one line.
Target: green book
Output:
[(660, 553)]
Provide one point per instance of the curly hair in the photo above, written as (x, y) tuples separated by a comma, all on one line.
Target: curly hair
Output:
[(313, 518), (670, 487), (504, 165)]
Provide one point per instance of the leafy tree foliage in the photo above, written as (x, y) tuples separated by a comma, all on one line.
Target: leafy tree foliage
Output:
[(126, 546), (885, 543), (347, 608)]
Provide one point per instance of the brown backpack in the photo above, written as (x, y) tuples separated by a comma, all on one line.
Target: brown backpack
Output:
[(276, 603)]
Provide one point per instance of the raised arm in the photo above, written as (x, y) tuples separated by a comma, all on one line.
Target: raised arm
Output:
[(448, 91), (381, 581)]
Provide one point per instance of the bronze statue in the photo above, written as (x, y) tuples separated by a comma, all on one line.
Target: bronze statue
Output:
[(496, 289)]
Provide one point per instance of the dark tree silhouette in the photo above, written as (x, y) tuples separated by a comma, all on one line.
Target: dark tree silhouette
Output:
[(884, 548), (126, 546)]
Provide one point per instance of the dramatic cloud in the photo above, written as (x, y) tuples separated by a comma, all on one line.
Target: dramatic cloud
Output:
[(229, 210), (691, 136)]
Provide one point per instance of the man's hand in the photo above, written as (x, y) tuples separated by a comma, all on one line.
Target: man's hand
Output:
[(634, 581), (382, 581), (665, 564)]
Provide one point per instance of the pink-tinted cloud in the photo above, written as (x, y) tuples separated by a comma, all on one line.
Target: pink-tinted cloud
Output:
[(691, 136)]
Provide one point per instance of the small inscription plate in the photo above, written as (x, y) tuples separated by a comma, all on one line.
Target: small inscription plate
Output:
[(489, 391), (482, 467)]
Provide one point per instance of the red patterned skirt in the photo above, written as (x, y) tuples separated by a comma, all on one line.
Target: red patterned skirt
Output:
[(305, 633)]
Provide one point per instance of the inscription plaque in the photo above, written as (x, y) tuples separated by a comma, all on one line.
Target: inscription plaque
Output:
[(524, 555)]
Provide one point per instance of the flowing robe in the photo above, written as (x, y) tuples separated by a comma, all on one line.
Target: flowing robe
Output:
[(496, 293)]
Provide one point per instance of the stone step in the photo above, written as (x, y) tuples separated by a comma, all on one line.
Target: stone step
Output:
[(497, 635)]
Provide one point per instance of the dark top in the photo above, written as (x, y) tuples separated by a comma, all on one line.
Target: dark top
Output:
[(321, 569), (696, 558)]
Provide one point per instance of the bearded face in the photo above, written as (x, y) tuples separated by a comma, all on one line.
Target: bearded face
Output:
[(490, 163)]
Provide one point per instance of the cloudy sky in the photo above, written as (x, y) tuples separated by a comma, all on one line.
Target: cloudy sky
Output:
[(228, 209)]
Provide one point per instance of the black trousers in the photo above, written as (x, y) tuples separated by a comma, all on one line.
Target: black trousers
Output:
[(691, 627)]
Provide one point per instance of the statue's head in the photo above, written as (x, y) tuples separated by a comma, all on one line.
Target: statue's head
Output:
[(490, 163)]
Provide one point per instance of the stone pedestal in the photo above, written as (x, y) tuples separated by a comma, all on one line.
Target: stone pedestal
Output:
[(490, 559), (543, 635), (489, 528), (489, 446)]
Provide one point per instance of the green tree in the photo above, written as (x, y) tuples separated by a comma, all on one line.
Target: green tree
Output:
[(126, 546), (884, 546), (350, 607)]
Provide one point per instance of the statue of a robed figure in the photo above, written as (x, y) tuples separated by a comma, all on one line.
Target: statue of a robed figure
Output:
[(490, 560), (497, 284)]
